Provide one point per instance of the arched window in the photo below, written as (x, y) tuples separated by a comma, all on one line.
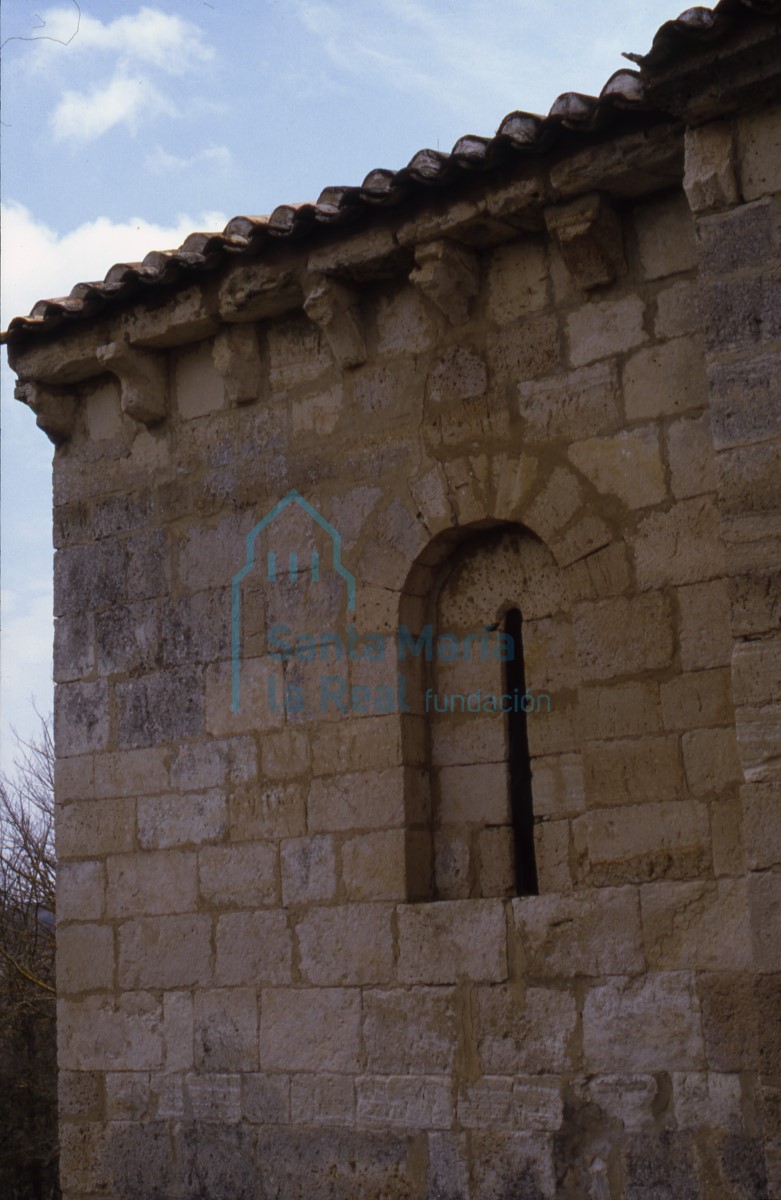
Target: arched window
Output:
[(483, 614)]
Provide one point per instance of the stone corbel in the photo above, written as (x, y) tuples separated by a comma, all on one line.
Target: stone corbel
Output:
[(143, 380), (448, 275), (237, 357), (587, 231), (336, 309), (54, 408)]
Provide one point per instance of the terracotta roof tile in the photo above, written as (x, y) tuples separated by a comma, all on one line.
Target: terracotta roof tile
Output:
[(519, 133)]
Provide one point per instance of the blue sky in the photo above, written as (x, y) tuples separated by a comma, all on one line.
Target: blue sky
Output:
[(155, 120)]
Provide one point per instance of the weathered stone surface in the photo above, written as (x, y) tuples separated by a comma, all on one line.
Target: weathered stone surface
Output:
[(605, 327), (310, 1029), (165, 952), (647, 1024), (696, 925), (348, 944), (664, 380), (564, 936), (627, 465), (253, 948), (373, 1165), (445, 943), (709, 177)]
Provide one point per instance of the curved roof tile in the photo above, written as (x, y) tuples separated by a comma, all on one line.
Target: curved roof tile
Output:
[(518, 133)]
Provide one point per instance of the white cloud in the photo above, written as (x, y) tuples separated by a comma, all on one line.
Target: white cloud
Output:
[(161, 162), (38, 262), (124, 60), (160, 40), (84, 116)]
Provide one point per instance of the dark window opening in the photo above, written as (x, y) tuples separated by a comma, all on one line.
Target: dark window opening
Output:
[(519, 764)]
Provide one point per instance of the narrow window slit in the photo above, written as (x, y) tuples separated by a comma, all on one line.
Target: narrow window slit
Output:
[(519, 764)]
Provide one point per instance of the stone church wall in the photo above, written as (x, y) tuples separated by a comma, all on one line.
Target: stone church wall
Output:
[(291, 957)]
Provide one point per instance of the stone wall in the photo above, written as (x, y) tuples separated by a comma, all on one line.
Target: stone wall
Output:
[(291, 962)]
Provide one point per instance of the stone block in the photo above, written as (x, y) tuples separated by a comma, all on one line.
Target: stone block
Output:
[(132, 772), (704, 625), (665, 237), (680, 546), (81, 888), (89, 828), (99, 1031), (81, 719), (85, 958), (512, 1164), (623, 710), (360, 800), (745, 400), (267, 811), (80, 1094), (709, 177), (403, 1102), (678, 310), (403, 323), (448, 942), (587, 934), (537, 1104), (127, 639), (669, 840), (253, 948), (552, 852), (697, 698), (696, 926), (748, 480), (756, 672), (737, 240), (460, 374), (410, 1032), (745, 315), (529, 1034), (602, 328), (74, 654), (448, 1167), (603, 649), (764, 896), (198, 387), (347, 944), (266, 1098), (286, 754), (758, 742), (710, 759), (74, 778), (165, 821), (599, 575), (632, 772), (487, 1103), (647, 1024), (759, 151), (84, 1158), (226, 1029), (218, 1159), (761, 803), (239, 875), (165, 952), (707, 1099), (143, 1160), (127, 1095), (661, 1164), (557, 786), (628, 465), (308, 870), (167, 706), (517, 280), (213, 764), (525, 349), (374, 865), (156, 882), (322, 1100), (178, 1030), (691, 458), (633, 1099), (294, 1163), (89, 577), (729, 1020), (310, 1029), (581, 404), (317, 415), (664, 380)]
